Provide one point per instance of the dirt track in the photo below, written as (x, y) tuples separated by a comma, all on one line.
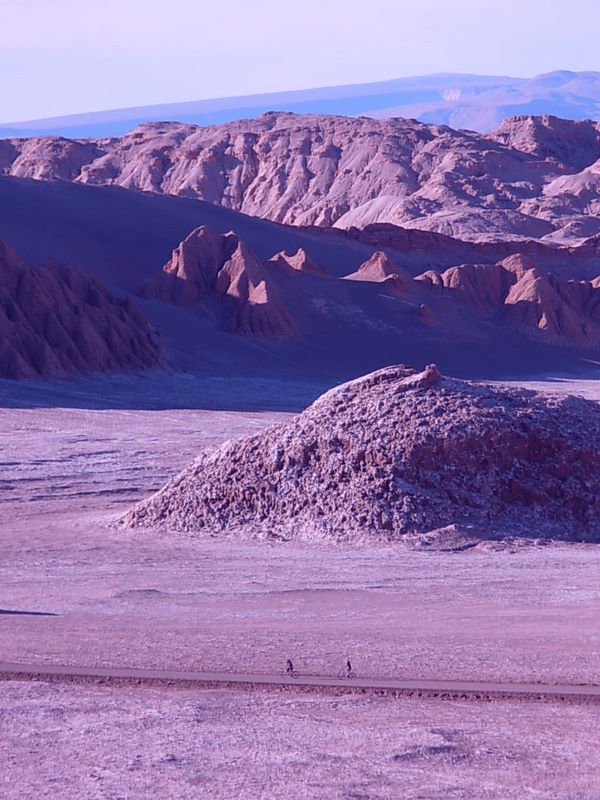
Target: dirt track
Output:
[(472, 690)]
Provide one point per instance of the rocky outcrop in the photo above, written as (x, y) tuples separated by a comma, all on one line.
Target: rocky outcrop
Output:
[(52, 158), (533, 177), (482, 287), (399, 454), (299, 261), (380, 269), (515, 293), (223, 276), (191, 273), (57, 322), (572, 143)]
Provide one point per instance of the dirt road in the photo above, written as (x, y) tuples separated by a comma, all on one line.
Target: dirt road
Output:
[(391, 686)]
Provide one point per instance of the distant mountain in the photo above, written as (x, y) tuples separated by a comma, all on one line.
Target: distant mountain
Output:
[(462, 101)]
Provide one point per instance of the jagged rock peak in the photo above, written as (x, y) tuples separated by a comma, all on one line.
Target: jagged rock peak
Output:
[(300, 261), (379, 268)]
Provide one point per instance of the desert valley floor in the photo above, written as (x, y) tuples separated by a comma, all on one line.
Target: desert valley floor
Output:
[(105, 595)]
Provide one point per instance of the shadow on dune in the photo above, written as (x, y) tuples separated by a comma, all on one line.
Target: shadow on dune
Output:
[(158, 391), (17, 612)]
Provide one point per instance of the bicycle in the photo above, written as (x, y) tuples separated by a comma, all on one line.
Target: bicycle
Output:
[(289, 671)]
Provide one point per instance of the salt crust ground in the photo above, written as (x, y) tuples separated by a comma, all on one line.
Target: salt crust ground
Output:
[(145, 599), (74, 742)]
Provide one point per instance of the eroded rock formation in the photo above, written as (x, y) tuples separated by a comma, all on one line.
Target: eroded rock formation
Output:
[(224, 276), (380, 269), (299, 261), (517, 294)]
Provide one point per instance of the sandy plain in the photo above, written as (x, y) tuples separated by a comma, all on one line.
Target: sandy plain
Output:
[(109, 596)]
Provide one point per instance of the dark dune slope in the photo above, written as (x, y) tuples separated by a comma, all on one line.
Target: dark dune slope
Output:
[(125, 237)]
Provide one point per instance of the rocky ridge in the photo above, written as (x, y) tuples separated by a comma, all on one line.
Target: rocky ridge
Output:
[(513, 293), (400, 455), (531, 178), (517, 294), (221, 276), (57, 322)]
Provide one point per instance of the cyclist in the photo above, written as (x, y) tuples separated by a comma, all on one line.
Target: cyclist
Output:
[(347, 671)]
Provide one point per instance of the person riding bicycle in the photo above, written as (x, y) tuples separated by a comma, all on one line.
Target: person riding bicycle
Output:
[(347, 671), (289, 667)]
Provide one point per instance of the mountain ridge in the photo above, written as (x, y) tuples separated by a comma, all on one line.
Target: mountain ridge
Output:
[(461, 100), (531, 178)]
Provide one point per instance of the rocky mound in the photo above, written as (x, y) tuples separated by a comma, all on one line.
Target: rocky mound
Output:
[(523, 180), (400, 454), (56, 322), (222, 274)]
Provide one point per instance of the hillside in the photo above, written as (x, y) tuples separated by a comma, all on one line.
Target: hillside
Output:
[(532, 178)]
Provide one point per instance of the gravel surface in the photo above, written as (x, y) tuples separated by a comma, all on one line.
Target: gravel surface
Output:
[(99, 743)]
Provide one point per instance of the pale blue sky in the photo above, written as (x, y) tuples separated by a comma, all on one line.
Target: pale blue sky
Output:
[(69, 56)]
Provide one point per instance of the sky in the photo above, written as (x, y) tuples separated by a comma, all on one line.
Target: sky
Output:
[(71, 56)]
